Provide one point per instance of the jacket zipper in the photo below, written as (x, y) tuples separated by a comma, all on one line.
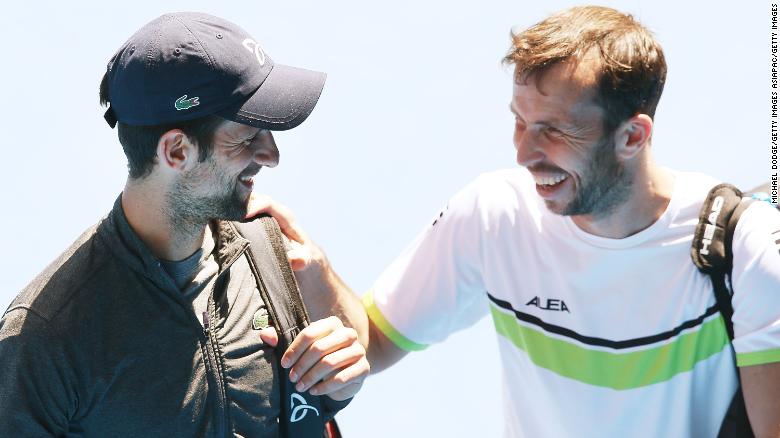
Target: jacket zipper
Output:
[(218, 372), (214, 353)]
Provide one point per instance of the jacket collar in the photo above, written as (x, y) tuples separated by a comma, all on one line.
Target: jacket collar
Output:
[(125, 244)]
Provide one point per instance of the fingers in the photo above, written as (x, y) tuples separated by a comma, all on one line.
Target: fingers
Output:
[(339, 375), (260, 204), (326, 364), (300, 256), (344, 384), (326, 358), (302, 252), (269, 336), (318, 339)]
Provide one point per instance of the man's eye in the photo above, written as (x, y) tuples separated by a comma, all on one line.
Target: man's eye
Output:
[(238, 148), (554, 133)]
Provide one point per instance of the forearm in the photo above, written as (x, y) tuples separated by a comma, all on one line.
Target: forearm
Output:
[(761, 388), (325, 294), (382, 352)]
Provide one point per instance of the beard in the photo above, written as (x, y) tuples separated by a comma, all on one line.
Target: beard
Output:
[(190, 208), (605, 183)]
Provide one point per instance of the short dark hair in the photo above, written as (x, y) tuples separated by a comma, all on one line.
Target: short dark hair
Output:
[(140, 142), (631, 69)]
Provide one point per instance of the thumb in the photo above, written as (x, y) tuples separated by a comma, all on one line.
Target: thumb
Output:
[(299, 255), (269, 336), (299, 260)]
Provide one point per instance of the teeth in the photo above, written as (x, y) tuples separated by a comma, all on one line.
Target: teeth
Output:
[(549, 180), (246, 178)]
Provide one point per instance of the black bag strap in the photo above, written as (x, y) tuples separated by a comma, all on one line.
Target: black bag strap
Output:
[(301, 414), (709, 241), (711, 247), (711, 253), (279, 289)]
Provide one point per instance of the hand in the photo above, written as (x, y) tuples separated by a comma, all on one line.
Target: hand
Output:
[(325, 359), (302, 252)]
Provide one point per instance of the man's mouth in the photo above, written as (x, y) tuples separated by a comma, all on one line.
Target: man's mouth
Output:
[(248, 177), (549, 180), (247, 180), (548, 184)]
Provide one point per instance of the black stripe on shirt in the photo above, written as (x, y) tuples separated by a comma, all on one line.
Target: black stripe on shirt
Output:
[(601, 342)]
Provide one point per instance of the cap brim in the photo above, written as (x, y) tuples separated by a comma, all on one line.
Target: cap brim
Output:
[(284, 100)]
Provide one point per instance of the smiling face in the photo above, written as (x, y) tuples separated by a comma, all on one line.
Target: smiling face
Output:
[(559, 138), (219, 187)]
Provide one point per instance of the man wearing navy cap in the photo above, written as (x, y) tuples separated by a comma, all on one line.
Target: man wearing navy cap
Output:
[(151, 324)]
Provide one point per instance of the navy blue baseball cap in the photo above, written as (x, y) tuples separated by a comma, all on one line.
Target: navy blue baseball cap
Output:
[(186, 65)]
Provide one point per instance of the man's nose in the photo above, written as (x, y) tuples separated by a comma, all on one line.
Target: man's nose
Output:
[(266, 153), (527, 146)]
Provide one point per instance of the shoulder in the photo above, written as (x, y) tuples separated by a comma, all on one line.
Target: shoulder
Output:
[(692, 188), (758, 229), (29, 341), (496, 194), (72, 271), (500, 186), (24, 326)]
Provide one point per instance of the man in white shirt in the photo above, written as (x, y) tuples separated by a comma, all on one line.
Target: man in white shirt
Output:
[(581, 257)]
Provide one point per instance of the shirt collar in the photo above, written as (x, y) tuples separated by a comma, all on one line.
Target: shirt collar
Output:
[(128, 247)]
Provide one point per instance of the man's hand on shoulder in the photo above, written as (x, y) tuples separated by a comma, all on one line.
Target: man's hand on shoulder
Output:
[(303, 254), (323, 291), (325, 359)]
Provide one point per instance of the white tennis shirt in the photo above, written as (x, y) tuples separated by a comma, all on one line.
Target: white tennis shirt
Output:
[(598, 337)]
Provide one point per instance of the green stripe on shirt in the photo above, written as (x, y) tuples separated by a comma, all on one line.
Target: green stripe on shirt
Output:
[(758, 357), (607, 369), (386, 328)]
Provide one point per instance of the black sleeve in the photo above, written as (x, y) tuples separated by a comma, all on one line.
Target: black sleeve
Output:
[(34, 391)]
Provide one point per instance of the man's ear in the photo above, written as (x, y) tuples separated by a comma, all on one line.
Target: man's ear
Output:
[(175, 151), (633, 136)]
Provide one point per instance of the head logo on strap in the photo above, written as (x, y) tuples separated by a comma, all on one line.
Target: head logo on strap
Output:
[(709, 230)]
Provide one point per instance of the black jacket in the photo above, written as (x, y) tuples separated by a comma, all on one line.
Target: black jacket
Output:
[(102, 343)]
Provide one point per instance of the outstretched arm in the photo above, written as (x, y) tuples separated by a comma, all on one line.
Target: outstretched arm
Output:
[(761, 388), (324, 292)]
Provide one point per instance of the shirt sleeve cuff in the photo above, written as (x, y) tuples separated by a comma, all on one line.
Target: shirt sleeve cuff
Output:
[(758, 357), (384, 326)]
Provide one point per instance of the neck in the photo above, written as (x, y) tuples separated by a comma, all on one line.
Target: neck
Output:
[(649, 197), (145, 207)]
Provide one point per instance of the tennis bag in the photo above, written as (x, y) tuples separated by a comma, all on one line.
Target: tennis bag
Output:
[(711, 253), (302, 415)]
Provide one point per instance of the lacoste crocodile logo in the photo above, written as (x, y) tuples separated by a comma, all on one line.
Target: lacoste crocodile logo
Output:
[(183, 103), (260, 319)]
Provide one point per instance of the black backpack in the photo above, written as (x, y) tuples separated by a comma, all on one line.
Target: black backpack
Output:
[(302, 415), (711, 253)]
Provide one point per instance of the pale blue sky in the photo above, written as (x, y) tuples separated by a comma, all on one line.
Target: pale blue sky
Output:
[(415, 106)]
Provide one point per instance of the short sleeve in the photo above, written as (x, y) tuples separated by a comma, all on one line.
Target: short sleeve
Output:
[(435, 286), (756, 283), (34, 399)]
